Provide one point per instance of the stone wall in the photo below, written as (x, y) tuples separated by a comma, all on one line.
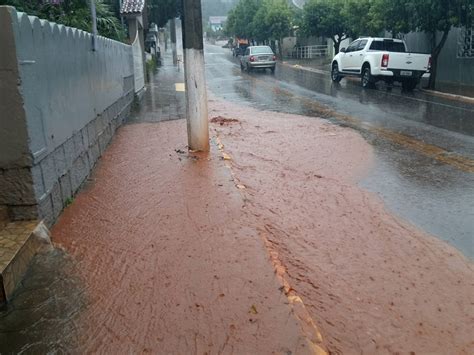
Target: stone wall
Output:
[(61, 104)]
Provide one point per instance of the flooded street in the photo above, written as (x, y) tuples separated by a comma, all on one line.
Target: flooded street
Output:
[(325, 219), (373, 283), (423, 144)]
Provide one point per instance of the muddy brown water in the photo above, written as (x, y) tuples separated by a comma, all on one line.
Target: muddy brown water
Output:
[(164, 252), (170, 259), (372, 282)]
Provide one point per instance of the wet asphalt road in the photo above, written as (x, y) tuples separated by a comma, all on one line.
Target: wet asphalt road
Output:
[(424, 144)]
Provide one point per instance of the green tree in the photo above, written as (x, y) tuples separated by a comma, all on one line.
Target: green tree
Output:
[(240, 19), (272, 21), (74, 13), (229, 27), (360, 18), (161, 11), (391, 15), (326, 18), (434, 17), (438, 17)]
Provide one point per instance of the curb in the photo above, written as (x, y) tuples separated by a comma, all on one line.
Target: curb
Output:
[(454, 97), (301, 67), (312, 337)]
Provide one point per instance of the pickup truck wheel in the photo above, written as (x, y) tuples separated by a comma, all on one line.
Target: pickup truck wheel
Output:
[(249, 69), (409, 85), (367, 79), (335, 76), (241, 67)]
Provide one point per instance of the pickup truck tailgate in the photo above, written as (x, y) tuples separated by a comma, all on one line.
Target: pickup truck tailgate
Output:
[(408, 61)]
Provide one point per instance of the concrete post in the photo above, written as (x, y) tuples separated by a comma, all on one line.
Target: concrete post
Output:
[(94, 25), (173, 40), (194, 76)]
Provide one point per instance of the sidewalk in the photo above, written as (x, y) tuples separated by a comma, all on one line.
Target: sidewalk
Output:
[(171, 260)]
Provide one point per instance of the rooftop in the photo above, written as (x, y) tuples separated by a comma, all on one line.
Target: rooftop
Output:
[(217, 19), (132, 6)]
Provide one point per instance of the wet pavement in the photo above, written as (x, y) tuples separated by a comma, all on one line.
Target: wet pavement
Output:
[(43, 315), (162, 101), (156, 255), (424, 145), (372, 283), (166, 251)]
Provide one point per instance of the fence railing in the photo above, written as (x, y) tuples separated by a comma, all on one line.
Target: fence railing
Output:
[(307, 52)]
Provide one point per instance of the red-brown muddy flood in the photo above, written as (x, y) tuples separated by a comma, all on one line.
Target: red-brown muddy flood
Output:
[(171, 260), (372, 283), (184, 253)]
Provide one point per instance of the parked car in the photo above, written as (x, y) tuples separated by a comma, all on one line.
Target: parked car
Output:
[(374, 59), (258, 57)]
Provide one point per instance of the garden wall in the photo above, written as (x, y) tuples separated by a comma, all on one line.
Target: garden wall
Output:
[(61, 103)]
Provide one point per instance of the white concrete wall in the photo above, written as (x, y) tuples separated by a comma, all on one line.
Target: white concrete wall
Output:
[(64, 83), (60, 105)]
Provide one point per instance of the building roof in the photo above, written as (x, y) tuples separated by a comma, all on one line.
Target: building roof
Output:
[(132, 6), (217, 20)]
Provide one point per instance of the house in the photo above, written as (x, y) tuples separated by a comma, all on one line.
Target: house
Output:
[(216, 23)]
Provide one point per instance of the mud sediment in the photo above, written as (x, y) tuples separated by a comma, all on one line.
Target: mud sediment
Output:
[(371, 282)]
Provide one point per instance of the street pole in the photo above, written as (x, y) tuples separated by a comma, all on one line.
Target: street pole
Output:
[(120, 12), (94, 25), (173, 40), (194, 77)]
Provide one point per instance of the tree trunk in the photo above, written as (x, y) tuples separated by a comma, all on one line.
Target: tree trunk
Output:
[(280, 48), (273, 45), (435, 51), (336, 46)]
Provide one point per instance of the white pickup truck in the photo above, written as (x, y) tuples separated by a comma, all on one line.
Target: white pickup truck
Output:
[(374, 59)]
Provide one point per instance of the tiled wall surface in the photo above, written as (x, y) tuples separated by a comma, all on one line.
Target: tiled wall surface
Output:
[(60, 174)]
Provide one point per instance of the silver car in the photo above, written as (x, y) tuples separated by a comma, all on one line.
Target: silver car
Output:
[(258, 57)]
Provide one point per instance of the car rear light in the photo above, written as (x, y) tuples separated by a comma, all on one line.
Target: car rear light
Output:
[(252, 58), (274, 58), (429, 64), (385, 58)]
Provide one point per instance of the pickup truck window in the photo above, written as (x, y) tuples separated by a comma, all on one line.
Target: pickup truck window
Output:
[(388, 46), (361, 45), (352, 47)]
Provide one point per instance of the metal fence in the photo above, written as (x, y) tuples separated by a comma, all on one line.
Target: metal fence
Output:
[(307, 52)]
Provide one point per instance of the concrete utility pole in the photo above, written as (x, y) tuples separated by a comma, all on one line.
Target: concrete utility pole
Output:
[(173, 40), (94, 25), (194, 76)]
